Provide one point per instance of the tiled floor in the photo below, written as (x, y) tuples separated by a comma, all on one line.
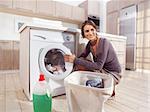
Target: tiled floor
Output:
[(133, 95)]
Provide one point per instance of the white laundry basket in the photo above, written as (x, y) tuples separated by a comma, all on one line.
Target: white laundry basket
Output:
[(81, 98)]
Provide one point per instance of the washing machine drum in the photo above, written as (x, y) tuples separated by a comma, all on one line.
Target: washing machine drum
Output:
[(52, 63)]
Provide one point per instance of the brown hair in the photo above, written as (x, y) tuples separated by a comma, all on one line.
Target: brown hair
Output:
[(87, 22)]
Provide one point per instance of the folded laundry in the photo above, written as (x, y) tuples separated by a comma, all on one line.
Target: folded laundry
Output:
[(97, 82)]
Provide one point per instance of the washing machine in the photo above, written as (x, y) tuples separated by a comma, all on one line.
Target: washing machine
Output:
[(46, 55)]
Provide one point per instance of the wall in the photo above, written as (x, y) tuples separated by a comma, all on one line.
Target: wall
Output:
[(7, 27), (143, 36), (8, 23)]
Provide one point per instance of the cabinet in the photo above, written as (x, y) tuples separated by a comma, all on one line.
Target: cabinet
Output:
[(6, 3), (78, 13), (63, 10), (119, 44), (112, 6), (140, 1), (9, 55), (16, 47), (25, 5), (112, 23), (6, 58), (45, 7), (92, 7), (116, 5), (126, 3), (60, 10)]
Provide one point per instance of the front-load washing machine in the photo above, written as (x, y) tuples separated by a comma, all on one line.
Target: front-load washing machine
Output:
[(46, 54)]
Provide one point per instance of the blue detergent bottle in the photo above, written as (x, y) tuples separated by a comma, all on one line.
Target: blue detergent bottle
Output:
[(42, 99)]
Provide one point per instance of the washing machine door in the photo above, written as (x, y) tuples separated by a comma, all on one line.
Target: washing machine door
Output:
[(52, 64)]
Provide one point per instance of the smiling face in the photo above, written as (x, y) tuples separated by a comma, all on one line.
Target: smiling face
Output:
[(90, 32)]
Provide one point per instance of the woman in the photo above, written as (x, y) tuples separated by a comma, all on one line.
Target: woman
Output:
[(104, 57)]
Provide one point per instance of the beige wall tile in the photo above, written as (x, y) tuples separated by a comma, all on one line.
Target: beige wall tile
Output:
[(146, 53), (147, 5), (139, 40), (147, 24), (139, 59), (139, 65), (146, 60), (121, 58), (112, 23), (146, 66), (139, 53), (2, 103), (140, 13), (140, 23), (147, 40)]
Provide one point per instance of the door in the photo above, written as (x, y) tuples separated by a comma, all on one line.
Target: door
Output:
[(52, 64), (128, 29)]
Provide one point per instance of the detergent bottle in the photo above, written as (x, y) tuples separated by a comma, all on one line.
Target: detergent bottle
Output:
[(42, 100)]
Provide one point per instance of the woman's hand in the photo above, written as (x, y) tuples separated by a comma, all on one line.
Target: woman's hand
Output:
[(69, 58)]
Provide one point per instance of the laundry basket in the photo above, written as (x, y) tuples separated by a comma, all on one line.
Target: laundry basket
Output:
[(82, 98)]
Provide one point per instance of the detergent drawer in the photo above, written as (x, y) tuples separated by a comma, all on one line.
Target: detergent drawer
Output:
[(46, 35)]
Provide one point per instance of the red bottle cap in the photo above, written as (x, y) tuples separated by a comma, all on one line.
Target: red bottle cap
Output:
[(41, 77)]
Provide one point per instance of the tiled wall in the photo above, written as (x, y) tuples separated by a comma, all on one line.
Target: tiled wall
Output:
[(143, 35), (9, 55)]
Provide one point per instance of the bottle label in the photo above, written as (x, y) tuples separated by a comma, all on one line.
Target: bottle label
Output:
[(42, 103)]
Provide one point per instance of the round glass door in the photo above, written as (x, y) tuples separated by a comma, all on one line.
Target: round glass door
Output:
[(52, 63)]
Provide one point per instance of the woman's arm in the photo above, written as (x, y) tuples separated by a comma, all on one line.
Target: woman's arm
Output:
[(71, 58), (101, 58), (86, 51)]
